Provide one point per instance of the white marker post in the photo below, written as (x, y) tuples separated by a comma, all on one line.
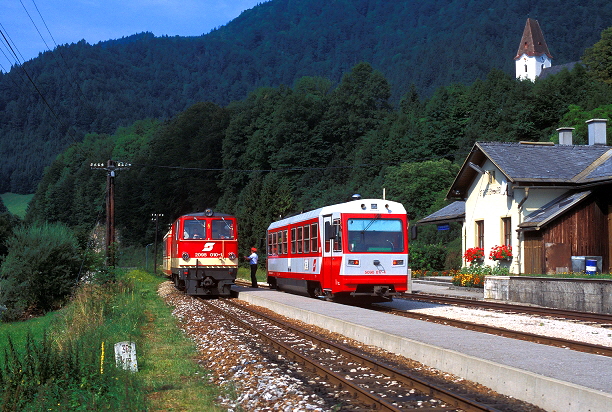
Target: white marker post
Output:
[(125, 356)]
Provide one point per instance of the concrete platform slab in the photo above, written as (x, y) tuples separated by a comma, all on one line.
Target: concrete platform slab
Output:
[(555, 379)]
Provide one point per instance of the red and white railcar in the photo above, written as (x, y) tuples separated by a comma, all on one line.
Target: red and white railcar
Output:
[(356, 250), (201, 253)]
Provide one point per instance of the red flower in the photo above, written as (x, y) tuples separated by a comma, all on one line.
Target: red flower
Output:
[(474, 254), (501, 252)]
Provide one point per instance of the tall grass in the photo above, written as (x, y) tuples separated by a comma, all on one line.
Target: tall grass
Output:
[(71, 366)]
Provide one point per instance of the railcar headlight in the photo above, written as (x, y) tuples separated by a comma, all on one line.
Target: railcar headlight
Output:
[(185, 256), (232, 256)]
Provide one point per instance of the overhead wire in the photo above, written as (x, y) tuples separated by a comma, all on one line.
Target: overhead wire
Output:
[(21, 70)]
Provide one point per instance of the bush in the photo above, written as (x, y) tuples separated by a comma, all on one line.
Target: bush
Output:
[(473, 275), (427, 256), (40, 270)]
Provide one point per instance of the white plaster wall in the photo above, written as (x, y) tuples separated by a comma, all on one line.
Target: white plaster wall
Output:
[(534, 66), (491, 202)]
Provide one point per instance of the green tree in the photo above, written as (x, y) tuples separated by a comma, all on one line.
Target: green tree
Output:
[(598, 59), (40, 270), (419, 185)]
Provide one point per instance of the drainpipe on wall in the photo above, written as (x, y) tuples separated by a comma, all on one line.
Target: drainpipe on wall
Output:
[(519, 255)]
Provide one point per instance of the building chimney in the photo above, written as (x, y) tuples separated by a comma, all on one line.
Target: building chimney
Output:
[(597, 131), (565, 135)]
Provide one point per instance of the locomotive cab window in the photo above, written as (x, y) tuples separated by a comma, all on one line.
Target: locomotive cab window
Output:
[(375, 235), (194, 229), (222, 229)]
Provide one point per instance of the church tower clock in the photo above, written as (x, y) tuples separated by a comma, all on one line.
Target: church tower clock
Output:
[(532, 55)]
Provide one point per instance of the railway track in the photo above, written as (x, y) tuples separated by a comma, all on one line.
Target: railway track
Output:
[(369, 382), (513, 334), (599, 318)]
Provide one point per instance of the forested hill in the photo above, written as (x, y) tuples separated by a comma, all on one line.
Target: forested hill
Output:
[(428, 43)]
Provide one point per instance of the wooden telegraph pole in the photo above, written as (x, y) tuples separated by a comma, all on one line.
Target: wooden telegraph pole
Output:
[(155, 217), (111, 167)]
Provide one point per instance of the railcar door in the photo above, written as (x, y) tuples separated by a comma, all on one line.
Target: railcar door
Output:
[(332, 251)]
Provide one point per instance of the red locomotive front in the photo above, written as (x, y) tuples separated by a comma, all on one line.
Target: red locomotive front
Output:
[(201, 253)]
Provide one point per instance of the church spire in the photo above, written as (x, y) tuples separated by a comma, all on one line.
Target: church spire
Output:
[(533, 54)]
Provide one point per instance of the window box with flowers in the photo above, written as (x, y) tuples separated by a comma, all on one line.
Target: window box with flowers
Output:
[(503, 252), (474, 255)]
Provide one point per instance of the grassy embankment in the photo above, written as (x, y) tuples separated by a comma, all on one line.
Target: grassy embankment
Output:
[(70, 369), (16, 204)]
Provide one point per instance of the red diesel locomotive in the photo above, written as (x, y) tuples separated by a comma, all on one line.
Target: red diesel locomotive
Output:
[(200, 253), (354, 251)]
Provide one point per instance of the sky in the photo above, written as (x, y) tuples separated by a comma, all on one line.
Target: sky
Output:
[(70, 21)]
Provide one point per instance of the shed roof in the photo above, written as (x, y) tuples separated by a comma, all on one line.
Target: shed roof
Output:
[(553, 209), (451, 213)]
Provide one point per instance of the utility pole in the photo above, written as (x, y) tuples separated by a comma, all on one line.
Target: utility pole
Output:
[(155, 217), (111, 167)]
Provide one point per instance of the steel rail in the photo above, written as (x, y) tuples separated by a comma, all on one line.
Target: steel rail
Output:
[(368, 398), (602, 318), (508, 333), (437, 392)]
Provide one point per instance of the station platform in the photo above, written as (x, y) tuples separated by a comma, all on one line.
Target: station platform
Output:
[(442, 285), (554, 379)]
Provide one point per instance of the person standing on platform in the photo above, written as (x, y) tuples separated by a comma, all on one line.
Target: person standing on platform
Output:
[(252, 258)]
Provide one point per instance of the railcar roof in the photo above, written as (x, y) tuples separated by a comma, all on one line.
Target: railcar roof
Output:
[(354, 206)]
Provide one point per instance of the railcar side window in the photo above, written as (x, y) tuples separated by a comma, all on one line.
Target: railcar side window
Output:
[(222, 229), (314, 244), (338, 238), (375, 235), (284, 242), (274, 243), (292, 240), (306, 238), (299, 239), (269, 243), (279, 242)]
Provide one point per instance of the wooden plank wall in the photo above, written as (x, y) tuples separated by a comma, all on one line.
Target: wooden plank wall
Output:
[(585, 229)]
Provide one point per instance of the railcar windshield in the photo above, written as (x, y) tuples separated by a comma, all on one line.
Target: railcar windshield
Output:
[(375, 235), (222, 229)]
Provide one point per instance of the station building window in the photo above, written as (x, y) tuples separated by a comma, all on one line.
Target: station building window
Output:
[(480, 233), (506, 230)]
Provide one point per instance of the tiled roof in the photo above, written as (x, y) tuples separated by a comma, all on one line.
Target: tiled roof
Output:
[(558, 68), (453, 212), (543, 163), (537, 164), (532, 43)]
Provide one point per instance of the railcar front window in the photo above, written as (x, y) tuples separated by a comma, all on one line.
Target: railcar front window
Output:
[(375, 235)]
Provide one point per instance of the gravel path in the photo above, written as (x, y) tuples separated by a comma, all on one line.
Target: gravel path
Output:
[(566, 329)]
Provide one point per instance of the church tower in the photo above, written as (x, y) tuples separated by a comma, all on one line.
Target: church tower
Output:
[(532, 55)]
